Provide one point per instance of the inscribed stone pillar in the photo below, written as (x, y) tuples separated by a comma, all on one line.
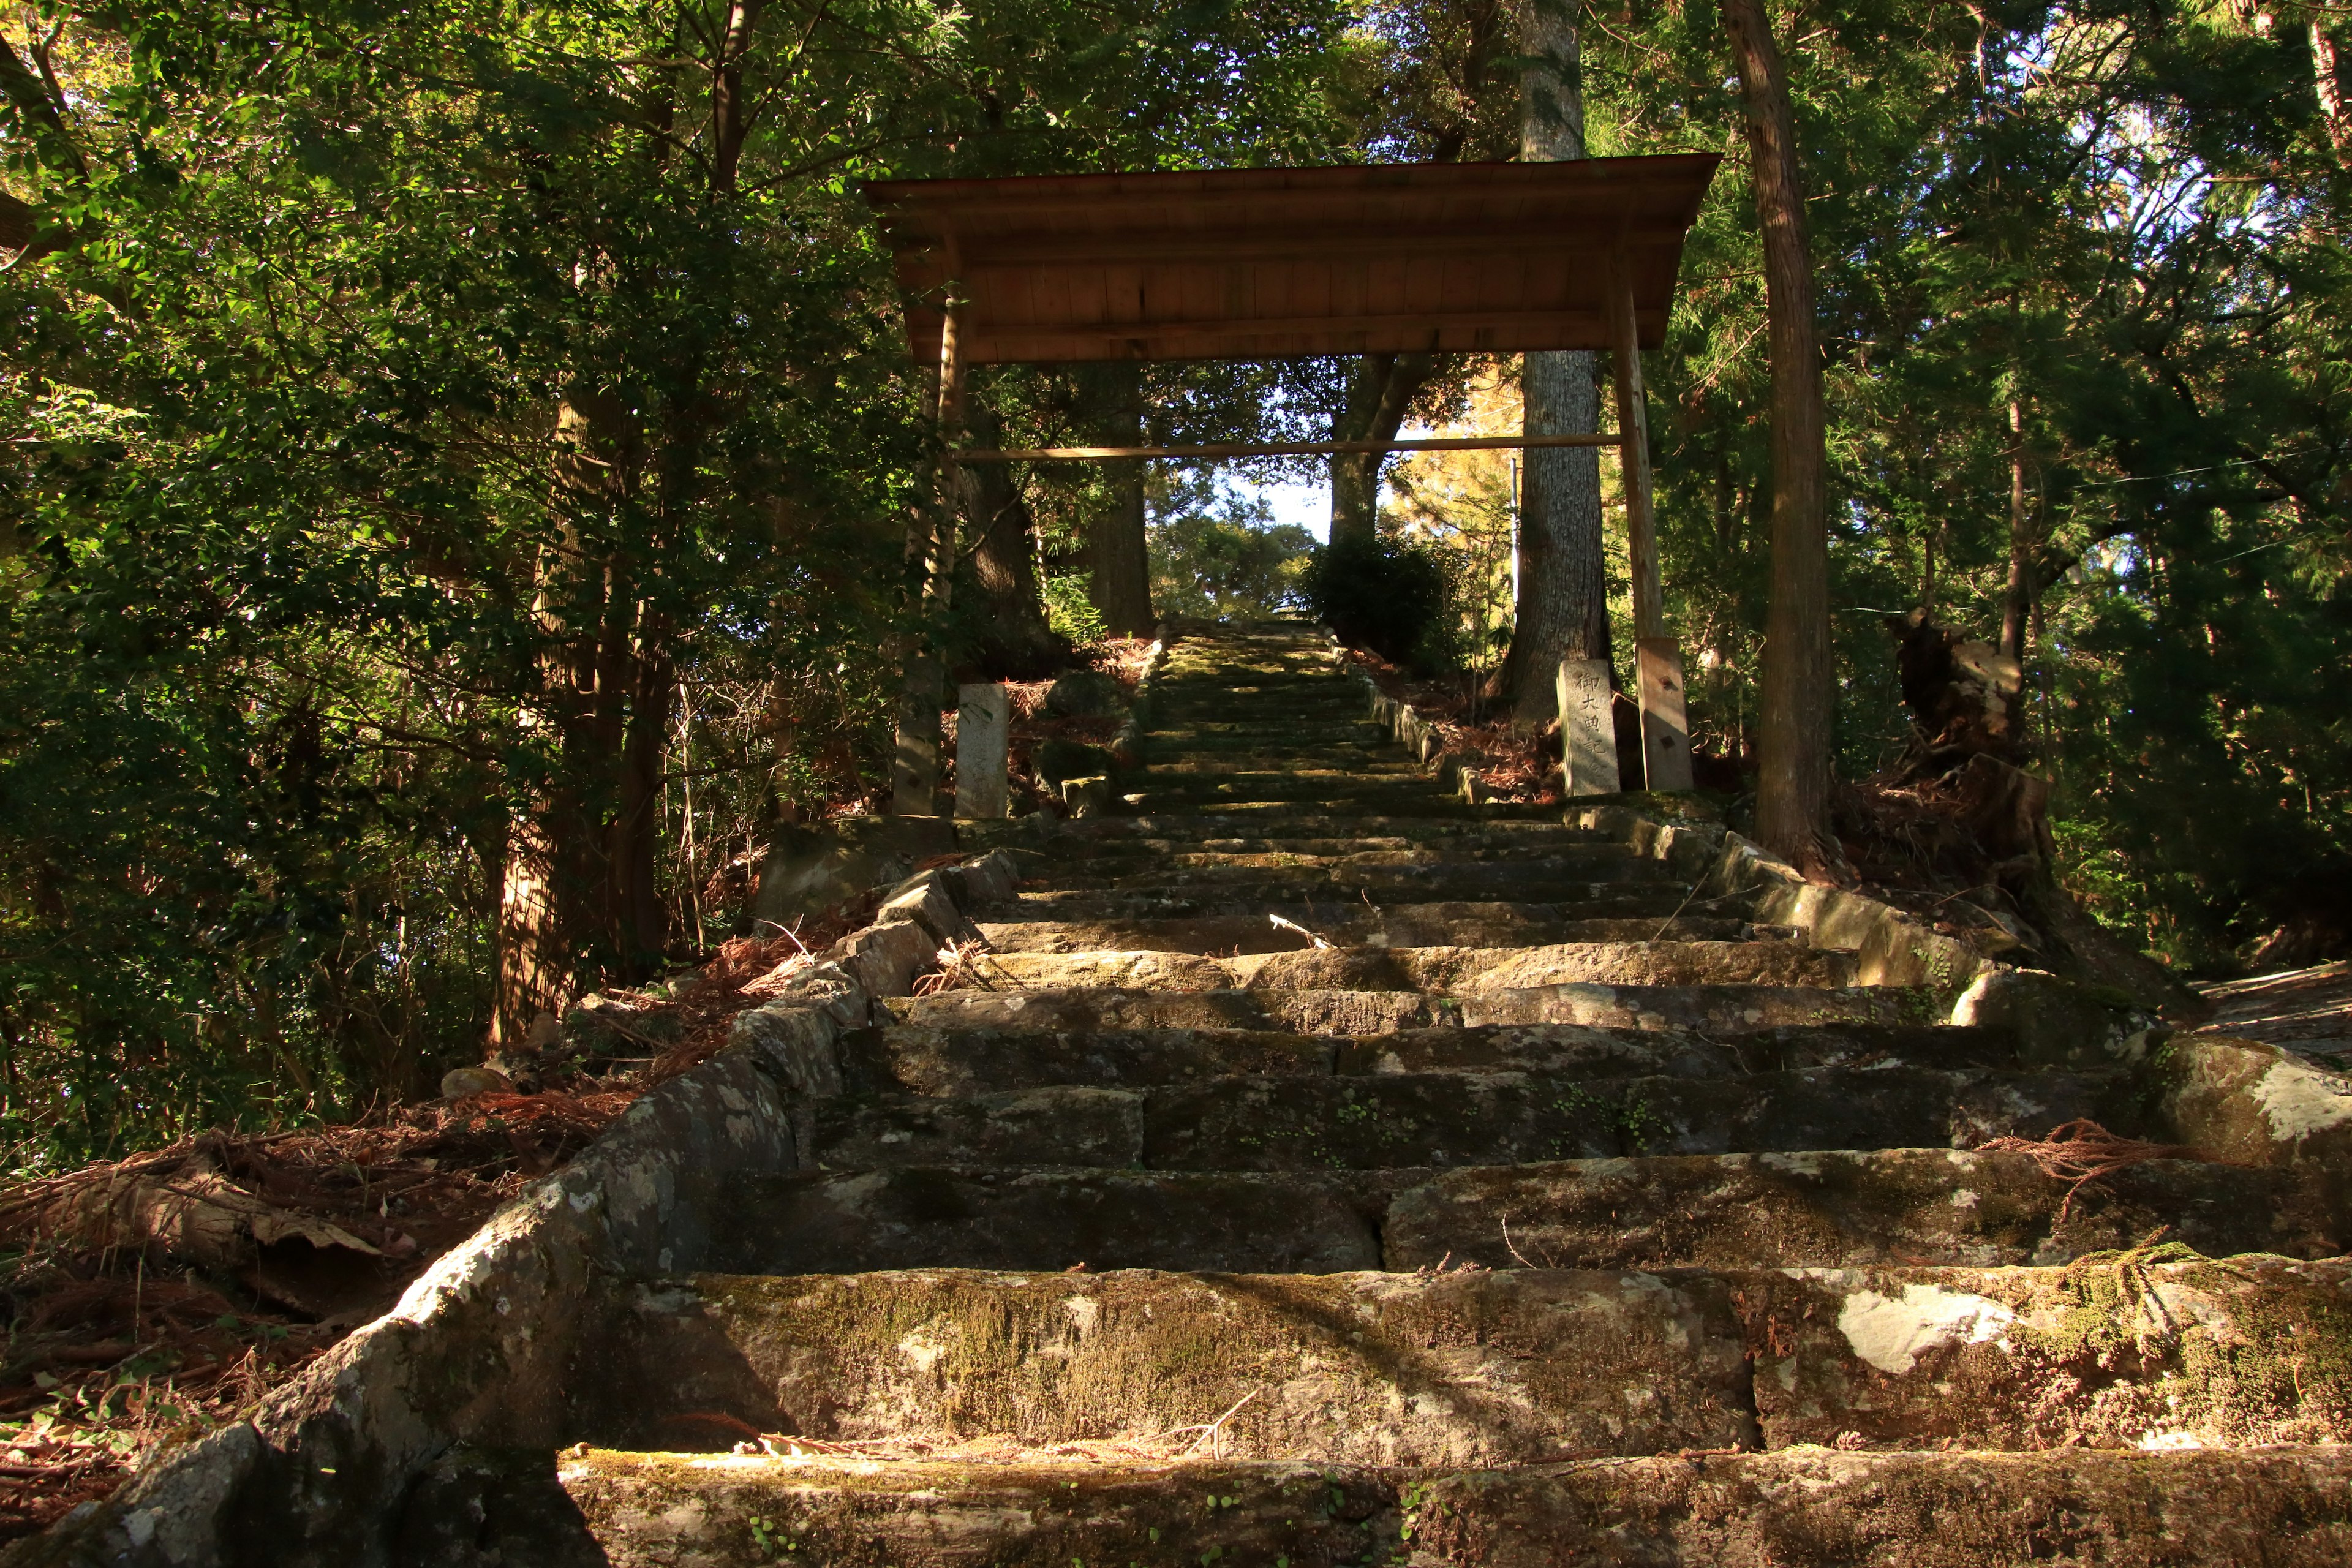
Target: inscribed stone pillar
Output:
[(983, 716), (1666, 723), (1588, 729)]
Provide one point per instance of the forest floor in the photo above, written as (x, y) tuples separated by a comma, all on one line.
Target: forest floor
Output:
[(154, 1298), (157, 1297)]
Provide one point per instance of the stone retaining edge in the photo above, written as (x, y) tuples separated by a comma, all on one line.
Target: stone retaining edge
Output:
[(2238, 1101), (1419, 736), (478, 1350), (1127, 746)]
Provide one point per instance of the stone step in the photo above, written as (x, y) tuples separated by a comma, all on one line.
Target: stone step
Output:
[(1710, 1010), (1207, 835), (1524, 1366), (1076, 839), (1392, 808), (1461, 924), (847, 1222), (1527, 878), (1368, 785), (1463, 970), (1295, 1121), (1652, 901), (1093, 1010), (1829, 1209), (1213, 735), (2288, 1508), (1815, 1209), (1115, 858), (967, 1061)]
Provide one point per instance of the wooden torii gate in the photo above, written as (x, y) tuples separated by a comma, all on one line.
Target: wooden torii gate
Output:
[(1251, 264)]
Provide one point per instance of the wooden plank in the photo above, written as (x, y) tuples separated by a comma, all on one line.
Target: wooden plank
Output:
[(1666, 718), (1279, 337), (1270, 449), (1633, 419), (1260, 247)]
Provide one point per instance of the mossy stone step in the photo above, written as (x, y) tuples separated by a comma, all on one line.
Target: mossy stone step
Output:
[(1437, 807), (1654, 902), (1820, 1208), (1440, 969), (1410, 925), (1294, 1122), (1830, 1208), (2283, 1508), (1717, 1010), (969, 1061), (1521, 1367), (1494, 1367)]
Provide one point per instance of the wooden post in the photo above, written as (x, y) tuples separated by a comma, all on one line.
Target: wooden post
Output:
[(1666, 735), (915, 772), (984, 728)]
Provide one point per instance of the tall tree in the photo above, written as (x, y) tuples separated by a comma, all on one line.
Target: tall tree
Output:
[(1562, 603), (1440, 94), (1794, 754)]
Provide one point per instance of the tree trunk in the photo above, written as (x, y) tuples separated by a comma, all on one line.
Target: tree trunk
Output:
[(1562, 609), (2019, 600), (1011, 641), (1118, 554), (548, 897), (636, 925), (1792, 799), (1379, 389), (2330, 84)]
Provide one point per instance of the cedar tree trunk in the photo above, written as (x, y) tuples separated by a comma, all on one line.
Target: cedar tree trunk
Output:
[(1379, 389), (1793, 796), (1562, 609)]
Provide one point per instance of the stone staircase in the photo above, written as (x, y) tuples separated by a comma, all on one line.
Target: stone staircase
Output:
[(1550, 1214)]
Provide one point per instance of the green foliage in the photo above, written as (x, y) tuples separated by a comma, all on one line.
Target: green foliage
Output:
[(1386, 594), (471, 455), (2127, 219), (1219, 555), (1070, 610)]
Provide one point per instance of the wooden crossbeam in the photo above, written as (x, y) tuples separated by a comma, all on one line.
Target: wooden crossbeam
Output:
[(1273, 448)]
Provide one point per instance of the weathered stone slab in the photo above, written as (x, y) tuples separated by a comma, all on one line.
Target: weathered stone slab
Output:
[(1299, 1012), (953, 1218), (1712, 1009), (1832, 1208), (1062, 1124), (2287, 1509), (1463, 1368), (983, 734), (1588, 726), (1499, 1118), (922, 1060), (2106, 1354), (1457, 924), (1812, 1509)]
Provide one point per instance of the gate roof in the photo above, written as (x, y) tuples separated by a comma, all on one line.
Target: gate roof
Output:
[(1271, 263)]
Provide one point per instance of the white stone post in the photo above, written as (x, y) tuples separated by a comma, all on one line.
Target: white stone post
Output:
[(983, 720), (1588, 727)]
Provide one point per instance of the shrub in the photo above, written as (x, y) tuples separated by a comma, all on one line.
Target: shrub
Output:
[(1383, 594), (1071, 613)]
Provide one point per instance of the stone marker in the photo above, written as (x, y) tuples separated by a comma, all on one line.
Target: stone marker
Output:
[(1087, 797), (1588, 727), (1665, 722), (983, 715)]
